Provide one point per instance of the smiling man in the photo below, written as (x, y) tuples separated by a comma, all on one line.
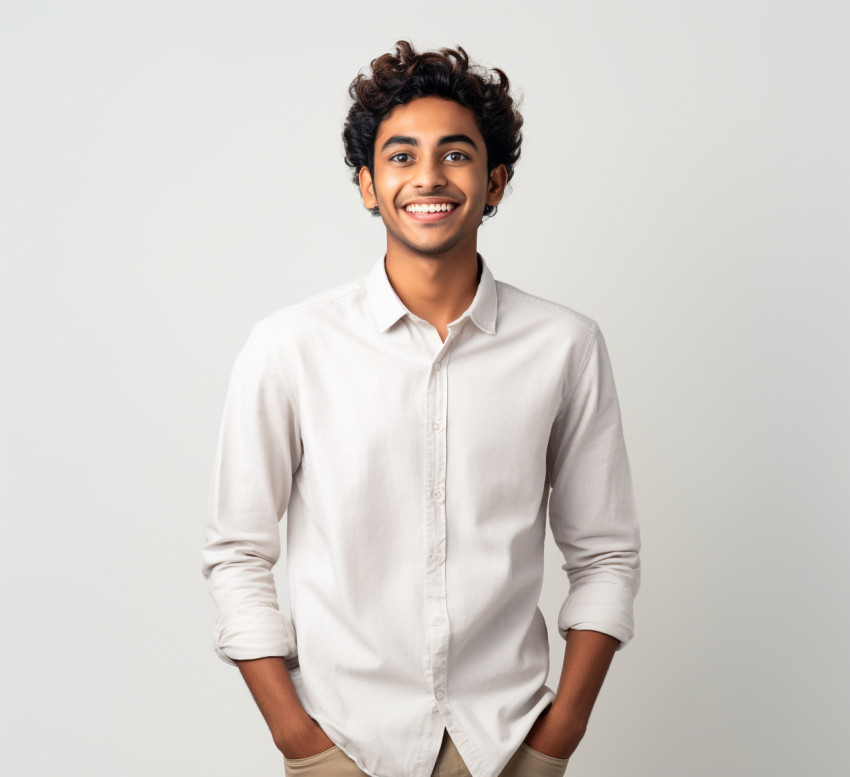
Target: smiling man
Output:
[(431, 188), (417, 425)]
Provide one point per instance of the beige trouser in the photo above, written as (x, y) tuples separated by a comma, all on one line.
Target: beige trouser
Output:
[(525, 762)]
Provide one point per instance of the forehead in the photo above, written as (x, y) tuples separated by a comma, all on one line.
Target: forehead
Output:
[(428, 118)]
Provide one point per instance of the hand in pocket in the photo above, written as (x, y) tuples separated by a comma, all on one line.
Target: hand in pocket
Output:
[(553, 736), (306, 740)]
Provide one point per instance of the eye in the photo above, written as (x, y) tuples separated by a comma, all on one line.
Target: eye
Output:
[(456, 154), (395, 157)]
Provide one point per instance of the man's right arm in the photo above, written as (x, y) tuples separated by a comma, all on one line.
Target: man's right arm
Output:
[(295, 733), (258, 453)]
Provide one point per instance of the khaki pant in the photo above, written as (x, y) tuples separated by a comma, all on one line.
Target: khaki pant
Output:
[(525, 762)]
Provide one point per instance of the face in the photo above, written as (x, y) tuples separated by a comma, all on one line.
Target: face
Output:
[(429, 153)]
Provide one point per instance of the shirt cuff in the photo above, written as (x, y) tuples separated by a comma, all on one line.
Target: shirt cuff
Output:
[(587, 610), (255, 632)]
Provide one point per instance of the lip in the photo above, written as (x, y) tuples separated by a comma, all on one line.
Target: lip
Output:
[(429, 217)]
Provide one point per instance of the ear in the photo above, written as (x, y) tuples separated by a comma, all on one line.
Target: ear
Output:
[(496, 184), (367, 188)]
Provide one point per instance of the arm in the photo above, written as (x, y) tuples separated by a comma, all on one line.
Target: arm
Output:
[(587, 656), (593, 520), (258, 452), (294, 732)]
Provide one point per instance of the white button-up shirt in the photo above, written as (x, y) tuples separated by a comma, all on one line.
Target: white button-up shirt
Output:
[(415, 475)]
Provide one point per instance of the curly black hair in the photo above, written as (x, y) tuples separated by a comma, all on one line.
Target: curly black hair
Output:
[(398, 78)]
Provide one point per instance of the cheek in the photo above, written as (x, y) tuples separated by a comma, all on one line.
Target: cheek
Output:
[(476, 182), (386, 180)]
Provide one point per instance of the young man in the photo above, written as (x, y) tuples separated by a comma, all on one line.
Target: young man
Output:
[(414, 425)]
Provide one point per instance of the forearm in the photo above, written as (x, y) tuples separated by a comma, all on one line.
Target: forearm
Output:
[(271, 686), (587, 657)]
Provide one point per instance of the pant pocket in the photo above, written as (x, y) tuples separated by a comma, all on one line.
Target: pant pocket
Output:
[(297, 765), (549, 765)]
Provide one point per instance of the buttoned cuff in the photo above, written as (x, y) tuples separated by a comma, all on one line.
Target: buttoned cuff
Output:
[(595, 610), (255, 632)]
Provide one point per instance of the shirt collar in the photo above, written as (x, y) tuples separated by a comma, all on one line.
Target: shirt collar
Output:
[(387, 308)]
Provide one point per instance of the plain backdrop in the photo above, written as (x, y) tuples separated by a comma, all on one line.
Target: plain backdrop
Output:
[(172, 172)]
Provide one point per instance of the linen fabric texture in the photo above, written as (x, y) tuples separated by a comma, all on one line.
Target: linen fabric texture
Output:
[(416, 477)]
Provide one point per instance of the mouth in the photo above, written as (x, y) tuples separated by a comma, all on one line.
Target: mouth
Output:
[(430, 211)]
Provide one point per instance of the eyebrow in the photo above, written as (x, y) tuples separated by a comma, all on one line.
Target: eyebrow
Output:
[(406, 140)]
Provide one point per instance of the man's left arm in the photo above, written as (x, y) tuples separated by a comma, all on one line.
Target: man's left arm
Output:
[(594, 524), (587, 656)]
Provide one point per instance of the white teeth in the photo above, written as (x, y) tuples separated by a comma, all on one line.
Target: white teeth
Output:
[(430, 208)]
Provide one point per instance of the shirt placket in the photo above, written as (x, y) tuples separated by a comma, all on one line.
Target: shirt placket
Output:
[(435, 523)]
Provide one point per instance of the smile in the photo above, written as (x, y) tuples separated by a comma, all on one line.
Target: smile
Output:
[(433, 211)]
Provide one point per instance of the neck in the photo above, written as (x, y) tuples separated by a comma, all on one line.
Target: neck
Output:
[(438, 289)]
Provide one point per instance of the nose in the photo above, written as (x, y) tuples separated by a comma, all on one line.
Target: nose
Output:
[(429, 174)]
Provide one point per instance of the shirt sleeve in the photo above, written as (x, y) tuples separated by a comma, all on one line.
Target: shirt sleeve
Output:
[(258, 452), (591, 505)]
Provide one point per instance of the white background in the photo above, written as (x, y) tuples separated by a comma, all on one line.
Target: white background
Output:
[(172, 172)]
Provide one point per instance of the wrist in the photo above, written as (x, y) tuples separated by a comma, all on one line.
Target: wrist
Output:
[(289, 735), (567, 717)]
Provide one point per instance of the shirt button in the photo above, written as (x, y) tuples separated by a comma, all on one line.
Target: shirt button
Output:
[(438, 621), (437, 558), (437, 426), (439, 694), (436, 494), (438, 366)]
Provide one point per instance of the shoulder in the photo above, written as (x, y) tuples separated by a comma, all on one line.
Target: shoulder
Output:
[(546, 317), (291, 324)]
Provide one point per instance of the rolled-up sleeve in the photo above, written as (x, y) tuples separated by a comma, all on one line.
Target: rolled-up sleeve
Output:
[(258, 452), (591, 505)]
